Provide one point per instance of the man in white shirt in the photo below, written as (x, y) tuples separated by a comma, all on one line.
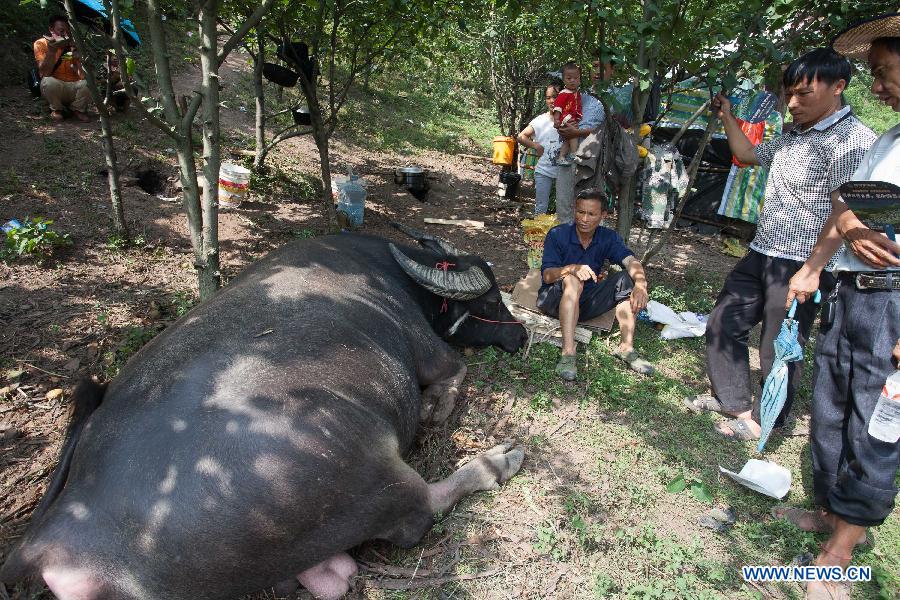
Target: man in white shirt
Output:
[(859, 346)]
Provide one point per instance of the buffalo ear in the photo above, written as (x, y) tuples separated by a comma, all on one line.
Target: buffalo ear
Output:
[(455, 285)]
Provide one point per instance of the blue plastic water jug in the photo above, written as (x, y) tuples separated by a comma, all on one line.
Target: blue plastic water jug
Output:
[(352, 201)]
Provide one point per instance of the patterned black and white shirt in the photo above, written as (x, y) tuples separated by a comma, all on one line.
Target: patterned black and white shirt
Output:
[(804, 168)]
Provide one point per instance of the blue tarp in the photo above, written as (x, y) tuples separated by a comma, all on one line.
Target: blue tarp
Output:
[(87, 7)]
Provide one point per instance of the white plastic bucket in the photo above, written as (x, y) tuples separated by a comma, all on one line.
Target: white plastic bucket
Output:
[(234, 183)]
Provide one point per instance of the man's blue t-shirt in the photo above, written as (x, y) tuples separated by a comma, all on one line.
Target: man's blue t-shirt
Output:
[(562, 247)]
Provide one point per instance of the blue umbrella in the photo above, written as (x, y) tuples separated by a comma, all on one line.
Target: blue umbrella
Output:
[(774, 392), (89, 11)]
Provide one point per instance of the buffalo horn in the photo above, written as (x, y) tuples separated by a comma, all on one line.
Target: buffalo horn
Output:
[(423, 237), (466, 285)]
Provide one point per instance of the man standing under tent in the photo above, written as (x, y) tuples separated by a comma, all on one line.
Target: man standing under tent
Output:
[(854, 472), (819, 154)]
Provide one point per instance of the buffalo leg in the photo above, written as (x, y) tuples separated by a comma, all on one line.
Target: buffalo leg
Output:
[(330, 579), (442, 389), (484, 473), (409, 511)]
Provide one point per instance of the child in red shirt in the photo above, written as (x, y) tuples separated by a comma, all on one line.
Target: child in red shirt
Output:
[(567, 110)]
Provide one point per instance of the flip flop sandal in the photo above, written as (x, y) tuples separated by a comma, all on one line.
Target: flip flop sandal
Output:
[(635, 362), (819, 525), (566, 368), (740, 430), (703, 403)]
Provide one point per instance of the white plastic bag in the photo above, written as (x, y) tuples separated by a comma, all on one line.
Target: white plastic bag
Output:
[(677, 325), (764, 477)]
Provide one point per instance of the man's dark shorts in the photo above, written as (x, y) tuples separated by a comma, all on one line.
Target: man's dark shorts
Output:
[(594, 301)]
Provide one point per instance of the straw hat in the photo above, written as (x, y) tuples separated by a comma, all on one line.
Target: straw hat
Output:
[(856, 40)]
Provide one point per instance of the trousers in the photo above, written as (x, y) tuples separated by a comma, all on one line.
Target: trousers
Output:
[(565, 194), (65, 94), (755, 291), (853, 472), (542, 186)]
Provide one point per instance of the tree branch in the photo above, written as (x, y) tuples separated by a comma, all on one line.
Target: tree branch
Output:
[(242, 31)]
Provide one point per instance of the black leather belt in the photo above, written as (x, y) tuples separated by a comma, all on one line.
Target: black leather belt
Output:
[(884, 280)]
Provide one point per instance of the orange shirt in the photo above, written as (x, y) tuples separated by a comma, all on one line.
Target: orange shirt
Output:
[(69, 68)]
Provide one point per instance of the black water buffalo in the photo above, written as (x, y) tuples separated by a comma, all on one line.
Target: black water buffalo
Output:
[(261, 436)]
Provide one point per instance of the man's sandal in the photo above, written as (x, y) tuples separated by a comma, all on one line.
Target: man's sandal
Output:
[(813, 521), (566, 368), (740, 430), (635, 362), (703, 403)]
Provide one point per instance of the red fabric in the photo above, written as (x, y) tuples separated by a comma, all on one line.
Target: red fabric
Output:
[(754, 133), (569, 103)]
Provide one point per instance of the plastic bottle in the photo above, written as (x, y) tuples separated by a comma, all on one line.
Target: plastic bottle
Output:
[(885, 422)]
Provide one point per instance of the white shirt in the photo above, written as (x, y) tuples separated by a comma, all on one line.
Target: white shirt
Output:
[(547, 136), (880, 163)]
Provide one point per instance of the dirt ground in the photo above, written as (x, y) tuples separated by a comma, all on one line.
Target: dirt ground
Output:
[(85, 310)]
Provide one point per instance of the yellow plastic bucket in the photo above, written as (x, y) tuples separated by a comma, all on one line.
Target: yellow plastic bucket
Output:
[(504, 148)]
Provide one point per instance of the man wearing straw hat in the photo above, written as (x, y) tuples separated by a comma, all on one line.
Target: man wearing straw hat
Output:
[(854, 472)]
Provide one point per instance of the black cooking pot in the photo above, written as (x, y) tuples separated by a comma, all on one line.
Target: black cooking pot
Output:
[(301, 115), (280, 75), (410, 177)]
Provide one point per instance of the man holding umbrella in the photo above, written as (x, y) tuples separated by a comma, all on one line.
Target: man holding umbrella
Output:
[(854, 472), (62, 78)]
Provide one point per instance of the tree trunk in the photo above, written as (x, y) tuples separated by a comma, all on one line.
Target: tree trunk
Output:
[(109, 148), (260, 91), (647, 60), (208, 270), (321, 136), (625, 215)]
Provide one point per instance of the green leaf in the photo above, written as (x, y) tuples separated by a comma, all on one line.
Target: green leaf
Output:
[(644, 85), (677, 485), (700, 492), (129, 66)]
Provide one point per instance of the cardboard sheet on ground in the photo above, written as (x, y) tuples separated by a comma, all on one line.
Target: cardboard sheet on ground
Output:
[(764, 477), (525, 295)]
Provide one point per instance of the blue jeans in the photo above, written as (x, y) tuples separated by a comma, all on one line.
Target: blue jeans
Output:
[(853, 472), (542, 186)]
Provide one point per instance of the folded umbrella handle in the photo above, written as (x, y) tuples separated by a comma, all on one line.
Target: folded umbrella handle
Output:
[(793, 309)]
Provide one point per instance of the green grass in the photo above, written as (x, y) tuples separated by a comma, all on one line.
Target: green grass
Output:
[(640, 540), (397, 118)]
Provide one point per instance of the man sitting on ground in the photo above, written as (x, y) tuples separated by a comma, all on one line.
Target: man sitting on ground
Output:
[(62, 78), (574, 288)]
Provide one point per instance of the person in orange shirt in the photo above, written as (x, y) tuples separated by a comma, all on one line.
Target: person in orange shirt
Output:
[(62, 78)]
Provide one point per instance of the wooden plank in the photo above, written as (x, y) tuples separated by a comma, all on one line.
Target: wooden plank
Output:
[(476, 157), (460, 222)]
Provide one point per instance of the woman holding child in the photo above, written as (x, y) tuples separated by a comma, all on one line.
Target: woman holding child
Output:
[(541, 135)]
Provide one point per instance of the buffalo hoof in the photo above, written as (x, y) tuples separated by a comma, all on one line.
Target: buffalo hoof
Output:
[(330, 579), (501, 462), (487, 472)]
